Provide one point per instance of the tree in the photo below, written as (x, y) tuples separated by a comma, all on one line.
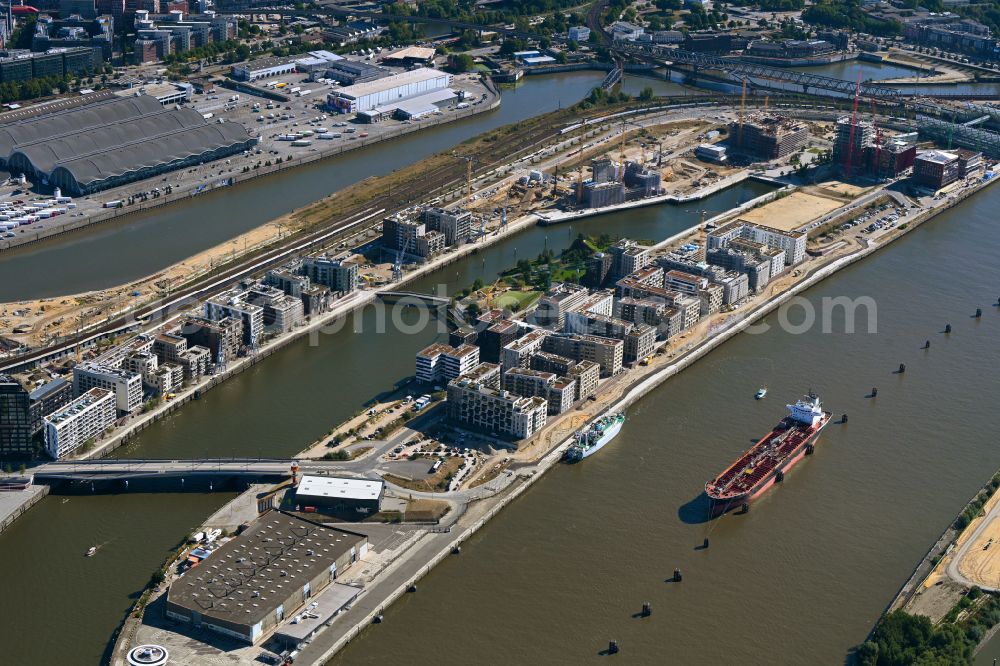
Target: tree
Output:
[(473, 310), (646, 94), (461, 62)]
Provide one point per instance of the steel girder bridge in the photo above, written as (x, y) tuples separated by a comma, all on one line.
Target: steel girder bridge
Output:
[(751, 70)]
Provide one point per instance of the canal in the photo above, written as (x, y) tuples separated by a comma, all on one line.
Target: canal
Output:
[(141, 244)]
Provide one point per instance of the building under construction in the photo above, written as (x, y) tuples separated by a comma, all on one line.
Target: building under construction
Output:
[(852, 141), (769, 135), (858, 147)]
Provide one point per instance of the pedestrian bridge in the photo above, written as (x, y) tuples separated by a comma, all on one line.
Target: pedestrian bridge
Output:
[(110, 469), (412, 298)]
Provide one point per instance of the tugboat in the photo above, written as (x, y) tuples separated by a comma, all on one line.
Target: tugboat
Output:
[(591, 441), (91, 551), (761, 392)]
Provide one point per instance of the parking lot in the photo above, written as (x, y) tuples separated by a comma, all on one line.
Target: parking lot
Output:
[(302, 116), (305, 117)]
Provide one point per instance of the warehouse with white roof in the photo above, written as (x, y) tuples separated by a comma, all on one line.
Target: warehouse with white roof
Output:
[(341, 496), (389, 91)]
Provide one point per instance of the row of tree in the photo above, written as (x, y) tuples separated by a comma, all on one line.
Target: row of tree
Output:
[(13, 91)]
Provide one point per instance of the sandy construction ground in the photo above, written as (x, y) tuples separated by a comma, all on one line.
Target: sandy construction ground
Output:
[(981, 564), (38, 321), (791, 212)]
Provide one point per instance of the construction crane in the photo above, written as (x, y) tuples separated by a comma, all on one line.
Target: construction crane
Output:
[(397, 266), (702, 230), (621, 152), (878, 142), (743, 104), (468, 172), (849, 161)]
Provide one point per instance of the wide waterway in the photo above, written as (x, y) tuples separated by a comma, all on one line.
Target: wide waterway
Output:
[(561, 570), (805, 574), (275, 408), (144, 243)]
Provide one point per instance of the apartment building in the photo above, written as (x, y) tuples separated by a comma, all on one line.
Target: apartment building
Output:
[(517, 354), (587, 375), (606, 352), (234, 305), (639, 342), (455, 225), (476, 404), (792, 242), (439, 362), (83, 419), (168, 347), (627, 257), (664, 318), (126, 385), (686, 283), (557, 301), (222, 338), (15, 418), (339, 275)]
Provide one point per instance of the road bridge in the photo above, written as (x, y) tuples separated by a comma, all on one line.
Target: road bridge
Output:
[(751, 70), (112, 469)]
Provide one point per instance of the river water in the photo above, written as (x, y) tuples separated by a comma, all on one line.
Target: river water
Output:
[(144, 243), (558, 573), (803, 576), (275, 408)]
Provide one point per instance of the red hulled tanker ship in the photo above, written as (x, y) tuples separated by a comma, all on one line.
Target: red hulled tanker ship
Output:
[(767, 461)]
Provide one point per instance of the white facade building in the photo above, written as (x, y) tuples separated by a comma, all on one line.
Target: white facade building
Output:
[(579, 33), (126, 386), (792, 242), (386, 91), (84, 418)]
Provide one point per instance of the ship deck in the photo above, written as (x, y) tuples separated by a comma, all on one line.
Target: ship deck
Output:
[(761, 459)]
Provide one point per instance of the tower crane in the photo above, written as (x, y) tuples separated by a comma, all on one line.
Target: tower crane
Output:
[(468, 172), (397, 266)]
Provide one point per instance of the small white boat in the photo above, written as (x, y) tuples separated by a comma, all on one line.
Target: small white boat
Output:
[(761, 392), (91, 551)]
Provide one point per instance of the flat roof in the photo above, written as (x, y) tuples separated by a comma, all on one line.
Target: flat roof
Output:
[(328, 603), (367, 88), (937, 156), (414, 52), (435, 349), (426, 103), (248, 577), (47, 389), (341, 487), (462, 351)]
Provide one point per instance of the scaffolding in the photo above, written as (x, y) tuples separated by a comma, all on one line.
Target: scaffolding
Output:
[(973, 138)]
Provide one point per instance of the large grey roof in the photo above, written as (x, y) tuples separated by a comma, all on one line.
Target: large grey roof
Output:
[(47, 153), (15, 134), (150, 151)]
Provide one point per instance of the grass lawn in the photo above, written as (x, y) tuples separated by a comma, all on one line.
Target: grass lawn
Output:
[(522, 299)]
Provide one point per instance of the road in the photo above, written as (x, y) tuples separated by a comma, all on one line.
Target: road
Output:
[(955, 562)]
